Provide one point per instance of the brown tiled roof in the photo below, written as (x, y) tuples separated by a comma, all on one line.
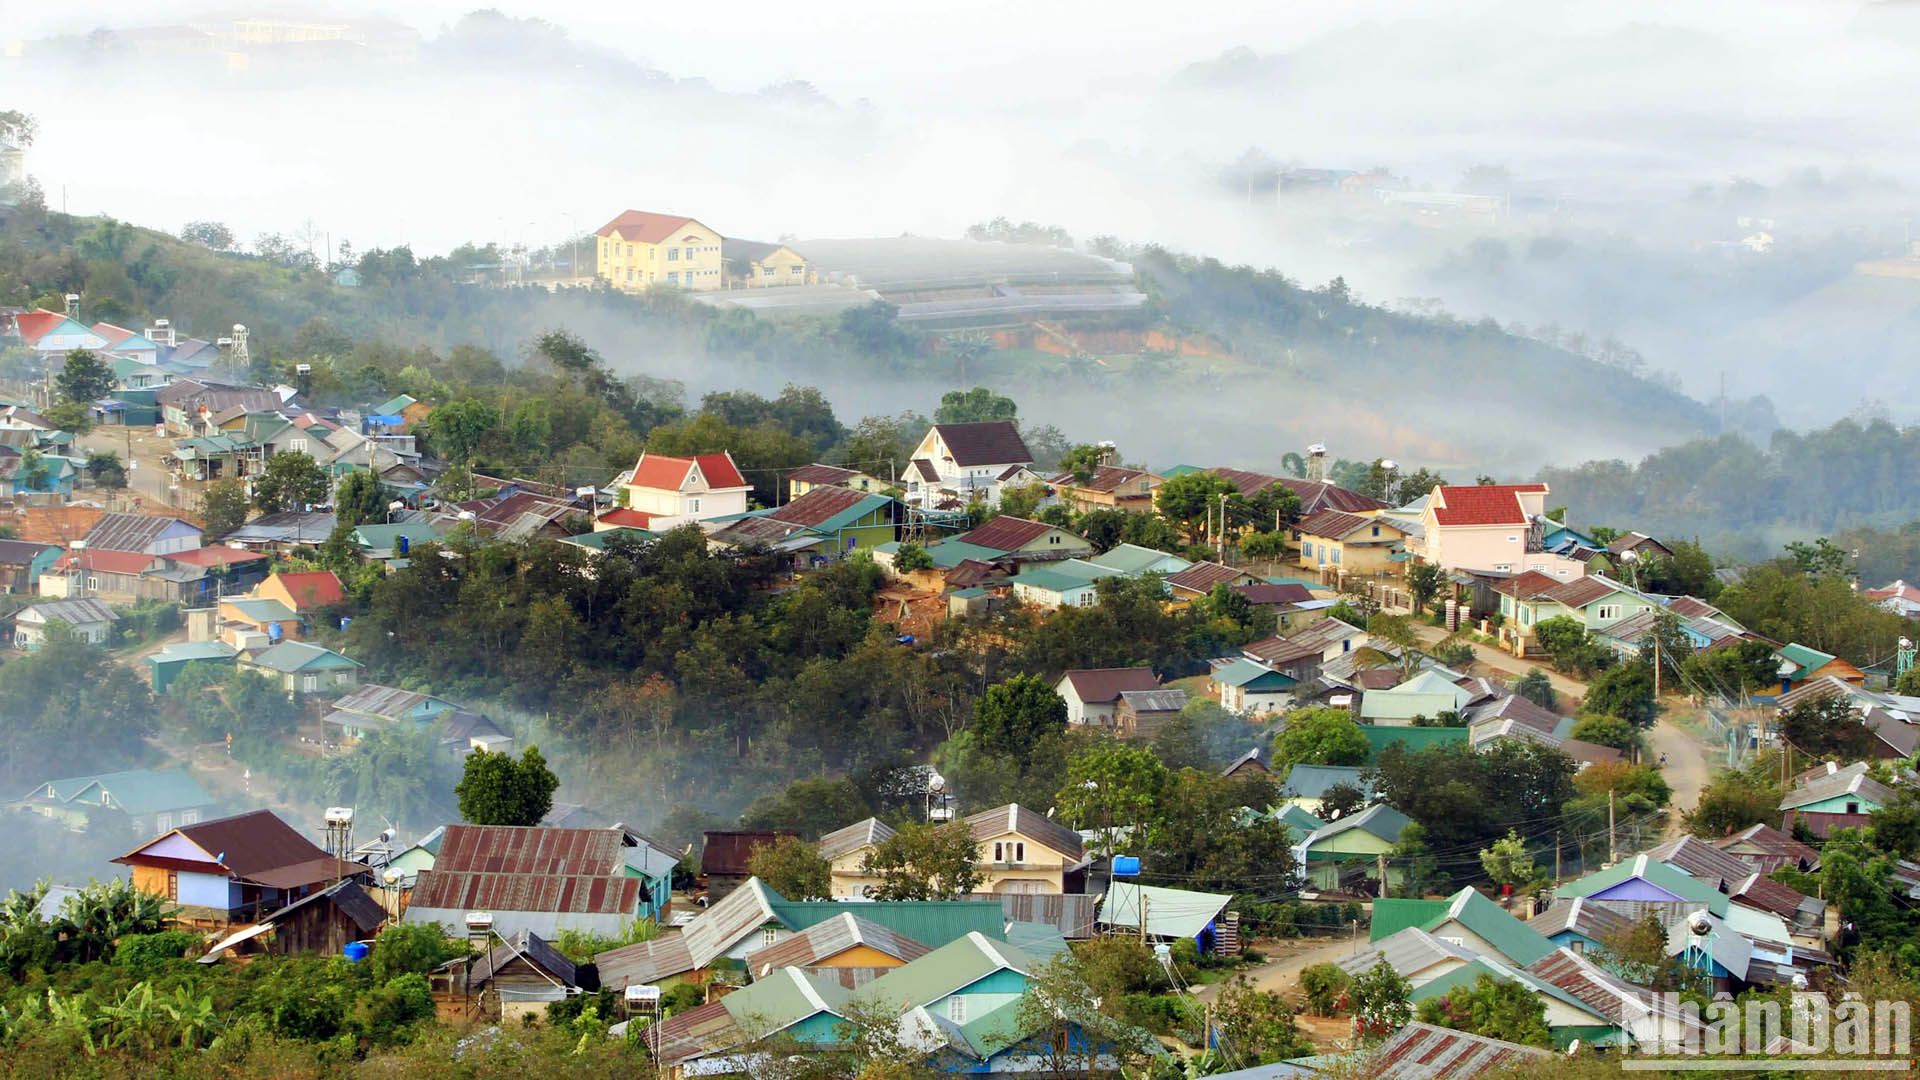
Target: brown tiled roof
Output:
[(20, 552), (1757, 890), (926, 470), (728, 852), (1421, 1051), (349, 898), (1264, 593), (53, 524), (1334, 523), (1702, 860), (1619, 1001), (1581, 591), (1309, 640), (1314, 495), (1376, 678), (1586, 918), (579, 894), (1633, 541), (1006, 533), (1526, 585), (514, 849), (1013, 817), (1777, 848), (1201, 577), (819, 504), (1590, 753), (1688, 607), (988, 442), (1099, 686), (249, 845), (822, 474), (969, 572), (1105, 478), (645, 227)]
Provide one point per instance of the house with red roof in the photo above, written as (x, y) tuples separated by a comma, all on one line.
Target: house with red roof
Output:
[(1490, 528), (302, 592), (1900, 598), (667, 492), (50, 332), (642, 250)]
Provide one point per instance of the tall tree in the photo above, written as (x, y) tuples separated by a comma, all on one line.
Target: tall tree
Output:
[(924, 861), (971, 406), (292, 480), (84, 378), (1320, 737), (1011, 717), (793, 868), (497, 790), (223, 507), (359, 499)]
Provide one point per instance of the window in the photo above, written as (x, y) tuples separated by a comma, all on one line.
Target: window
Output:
[(629, 251), (1578, 947), (1376, 530), (297, 445), (693, 506), (162, 822), (769, 935), (1336, 556), (1608, 612), (1347, 645), (93, 583), (999, 851), (673, 254), (188, 817), (797, 270), (766, 271), (1306, 549), (957, 1009), (1053, 539), (1526, 616), (309, 683), (1853, 808), (173, 884), (1513, 539), (1019, 851)]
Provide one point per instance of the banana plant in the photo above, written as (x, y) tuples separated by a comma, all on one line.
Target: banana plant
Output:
[(192, 1017), (74, 1015)]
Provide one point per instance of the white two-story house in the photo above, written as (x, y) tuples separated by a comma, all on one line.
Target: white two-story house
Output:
[(961, 463), (667, 492)]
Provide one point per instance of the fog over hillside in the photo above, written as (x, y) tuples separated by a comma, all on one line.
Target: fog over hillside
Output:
[(1631, 141)]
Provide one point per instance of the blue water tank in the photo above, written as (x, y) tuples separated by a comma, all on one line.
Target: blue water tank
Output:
[(355, 951), (404, 545), (274, 633), (1126, 866), (345, 621)]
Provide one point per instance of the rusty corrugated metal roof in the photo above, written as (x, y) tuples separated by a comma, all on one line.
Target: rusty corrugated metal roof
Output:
[(515, 849), (578, 894)]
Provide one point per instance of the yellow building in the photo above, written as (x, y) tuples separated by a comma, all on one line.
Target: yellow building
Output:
[(756, 264), (1336, 542), (1020, 852), (639, 250)]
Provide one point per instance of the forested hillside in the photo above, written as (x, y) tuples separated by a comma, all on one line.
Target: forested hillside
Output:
[(1744, 500), (1317, 364)]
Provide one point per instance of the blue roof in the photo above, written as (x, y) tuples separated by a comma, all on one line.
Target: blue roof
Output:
[(1244, 672), (182, 651)]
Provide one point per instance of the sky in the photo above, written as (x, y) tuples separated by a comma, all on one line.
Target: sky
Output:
[(1113, 118)]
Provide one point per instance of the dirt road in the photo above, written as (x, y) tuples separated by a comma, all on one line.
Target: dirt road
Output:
[(1281, 971)]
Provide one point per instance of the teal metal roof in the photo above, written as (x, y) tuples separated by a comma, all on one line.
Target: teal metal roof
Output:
[(1653, 872), (1810, 660), (1378, 820), (183, 651), (951, 967), (1516, 941), (136, 791), (597, 541), (1054, 581), (395, 405), (1134, 559), (951, 553), (291, 656), (1381, 736), (1390, 916), (1244, 672), (1302, 823), (932, 923), (384, 537)]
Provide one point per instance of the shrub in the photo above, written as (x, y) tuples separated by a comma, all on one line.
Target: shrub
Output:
[(1324, 985), (911, 557), (145, 952)]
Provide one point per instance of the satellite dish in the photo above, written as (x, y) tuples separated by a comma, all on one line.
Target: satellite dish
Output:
[(1701, 925), (1573, 1048), (1799, 981)]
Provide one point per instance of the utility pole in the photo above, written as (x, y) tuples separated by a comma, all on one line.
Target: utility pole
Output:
[(1223, 527), (1380, 861), (1556, 855), (1656, 662), (1612, 856), (1143, 914)]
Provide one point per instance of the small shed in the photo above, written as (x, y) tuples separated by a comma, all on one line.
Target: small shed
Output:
[(91, 620), (170, 662), (523, 974), (325, 921)]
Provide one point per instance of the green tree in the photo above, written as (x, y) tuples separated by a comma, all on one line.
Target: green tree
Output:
[(1257, 1024), (1424, 581), (973, 406), (1827, 728), (1379, 999), (1082, 461), (1324, 984), (1536, 687), (105, 470), (1625, 691), (793, 868), (292, 480), (1011, 717), (875, 330), (1735, 800), (497, 790), (1573, 649), (1508, 862), (1493, 1009), (410, 949), (1188, 500), (359, 499), (1606, 731), (924, 861), (1110, 784), (84, 378), (911, 557), (1822, 558), (1320, 736), (459, 428), (1895, 827), (208, 234)]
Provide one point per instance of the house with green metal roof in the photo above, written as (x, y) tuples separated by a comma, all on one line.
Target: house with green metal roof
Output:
[(145, 801), (1068, 583), (1800, 663), (1394, 914), (1351, 848), (946, 554), (1300, 822), (1306, 785), (825, 522), (302, 668), (1250, 689), (386, 542), (1413, 739), (1133, 559), (596, 542), (932, 923), (1472, 920), (1428, 694), (171, 661)]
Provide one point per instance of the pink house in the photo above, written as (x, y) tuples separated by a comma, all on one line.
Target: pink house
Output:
[(1494, 528)]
